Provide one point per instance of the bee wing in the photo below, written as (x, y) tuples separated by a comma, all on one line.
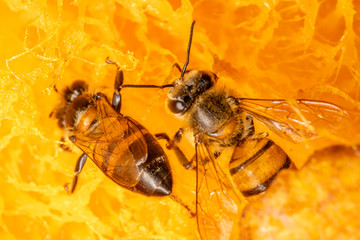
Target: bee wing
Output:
[(115, 143), (217, 200), (294, 119)]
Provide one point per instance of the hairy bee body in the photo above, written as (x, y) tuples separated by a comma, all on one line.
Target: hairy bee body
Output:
[(215, 115), (216, 118)]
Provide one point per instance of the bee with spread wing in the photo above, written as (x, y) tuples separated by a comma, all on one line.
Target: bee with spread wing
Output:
[(218, 121)]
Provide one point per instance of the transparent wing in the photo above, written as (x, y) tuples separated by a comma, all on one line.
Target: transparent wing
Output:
[(294, 119), (115, 143), (217, 200)]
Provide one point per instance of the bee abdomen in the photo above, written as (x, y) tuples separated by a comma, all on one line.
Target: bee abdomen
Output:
[(136, 163), (255, 163), (155, 173), (118, 161)]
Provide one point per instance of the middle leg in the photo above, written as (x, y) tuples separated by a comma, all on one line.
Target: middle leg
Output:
[(172, 144)]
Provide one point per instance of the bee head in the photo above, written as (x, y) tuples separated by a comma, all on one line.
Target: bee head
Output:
[(76, 100), (75, 90), (188, 88)]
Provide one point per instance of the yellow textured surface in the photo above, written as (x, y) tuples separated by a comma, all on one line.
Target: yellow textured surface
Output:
[(261, 49), (320, 201)]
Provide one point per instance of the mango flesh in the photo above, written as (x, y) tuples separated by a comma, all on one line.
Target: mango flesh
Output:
[(259, 49), (316, 202)]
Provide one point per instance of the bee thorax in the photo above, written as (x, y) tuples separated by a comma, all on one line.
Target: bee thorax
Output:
[(215, 117)]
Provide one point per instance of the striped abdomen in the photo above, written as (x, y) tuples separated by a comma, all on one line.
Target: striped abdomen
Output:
[(155, 178), (132, 158), (255, 163)]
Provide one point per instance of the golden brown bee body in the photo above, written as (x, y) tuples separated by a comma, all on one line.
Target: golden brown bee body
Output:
[(255, 163), (219, 120), (121, 147)]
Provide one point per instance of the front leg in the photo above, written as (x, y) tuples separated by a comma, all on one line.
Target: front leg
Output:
[(172, 144), (119, 79), (116, 100)]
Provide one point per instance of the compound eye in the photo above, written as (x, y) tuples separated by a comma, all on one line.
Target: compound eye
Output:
[(176, 106), (206, 77)]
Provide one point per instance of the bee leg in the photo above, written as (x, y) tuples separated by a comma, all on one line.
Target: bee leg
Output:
[(116, 100), (178, 200), (79, 166), (172, 144), (120, 78), (177, 66)]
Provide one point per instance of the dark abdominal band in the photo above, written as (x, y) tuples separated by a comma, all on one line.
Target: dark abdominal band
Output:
[(252, 159), (263, 186), (155, 176)]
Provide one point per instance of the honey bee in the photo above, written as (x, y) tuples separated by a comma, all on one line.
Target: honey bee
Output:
[(122, 148), (218, 121)]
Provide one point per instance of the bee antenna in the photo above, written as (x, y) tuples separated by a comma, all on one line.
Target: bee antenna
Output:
[(188, 50)]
